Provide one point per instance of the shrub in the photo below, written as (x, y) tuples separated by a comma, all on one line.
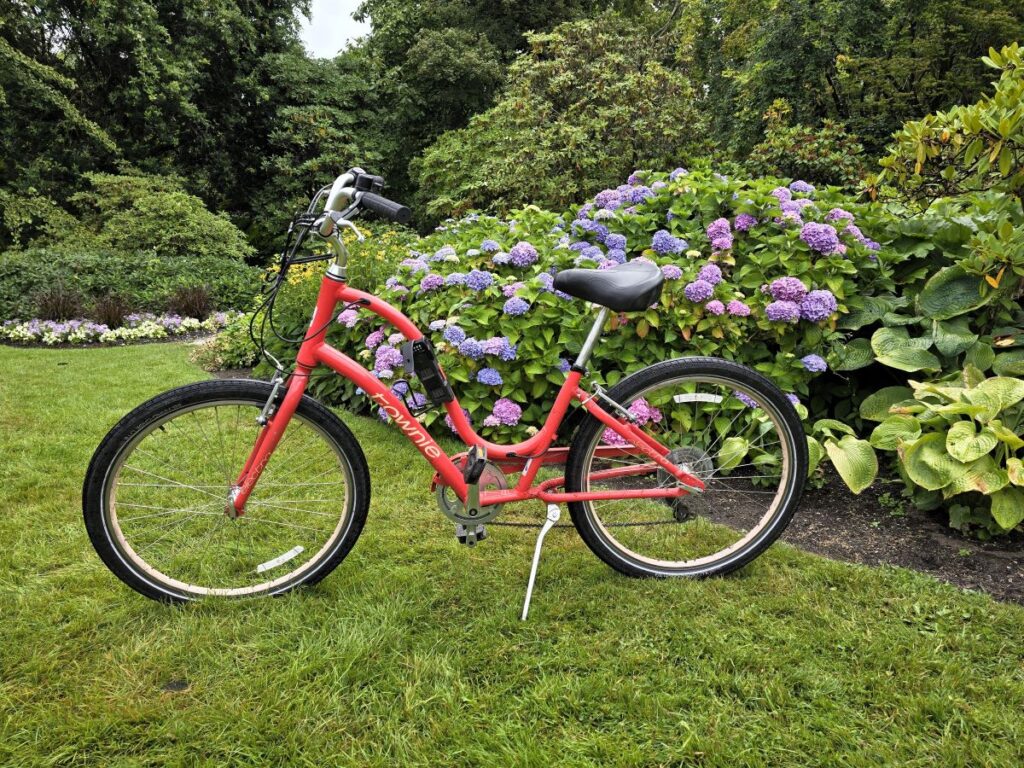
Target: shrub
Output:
[(752, 275), (153, 215), (231, 348), (823, 155), (144, 281), (589, 102)]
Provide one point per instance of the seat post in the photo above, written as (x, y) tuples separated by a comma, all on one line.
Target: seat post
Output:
[(592, 337)]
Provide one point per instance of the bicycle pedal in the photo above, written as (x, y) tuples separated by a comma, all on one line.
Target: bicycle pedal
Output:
[(474, 466), (470, 535)]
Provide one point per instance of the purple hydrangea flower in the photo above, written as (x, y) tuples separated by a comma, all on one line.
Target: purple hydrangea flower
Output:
[(737, 308), (634, 178), (564, 365), (523, 254), (793, 398), (500, 259), (386, 358), (615, 241), (671, 272), (818, 305), (490, 246), (348, 318), (416, 265), (822, 238), (431, 282), (510, 290), (617, 255), (664, 243), (710, 273), (478, 280), (516, 307), (791, 209), (747, 400), (451, 424), (579, 245), (608, 264), (455, 278), (546, 280), (783, 312), (471, 348), (677, 173), (447, 253), (715, 307), (871, 245), (719, 232), (609, 199), (658, 185), (814, 363), (699, 291), (745, 222), (395, 339), (454, 335), (593, 253), (505, 412), (489, 376), (782, 194), (838, 214), (375, 339), (802, 188), (638, 194), (787, 289), (392, 283), (437, 325)]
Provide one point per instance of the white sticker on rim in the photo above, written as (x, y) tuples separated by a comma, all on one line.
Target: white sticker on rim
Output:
[(698, 397), (280, 559)]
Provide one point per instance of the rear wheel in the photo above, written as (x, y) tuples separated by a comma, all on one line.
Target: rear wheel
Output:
[(157, 489), (721, 422)]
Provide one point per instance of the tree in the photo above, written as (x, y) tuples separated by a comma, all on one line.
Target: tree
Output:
[(581, 111)]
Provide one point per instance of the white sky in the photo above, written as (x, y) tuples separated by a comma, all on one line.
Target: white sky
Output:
[(331, 28)]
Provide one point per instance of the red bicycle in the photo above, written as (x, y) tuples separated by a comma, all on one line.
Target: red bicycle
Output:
[(690, 467)]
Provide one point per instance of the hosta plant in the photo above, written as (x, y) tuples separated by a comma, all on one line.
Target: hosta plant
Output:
[(958, 441)]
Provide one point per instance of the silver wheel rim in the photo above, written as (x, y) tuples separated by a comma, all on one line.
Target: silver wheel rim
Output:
[(140, 470), (617, 531)]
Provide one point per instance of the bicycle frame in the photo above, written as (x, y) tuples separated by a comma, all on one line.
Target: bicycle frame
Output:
[(526, 457)]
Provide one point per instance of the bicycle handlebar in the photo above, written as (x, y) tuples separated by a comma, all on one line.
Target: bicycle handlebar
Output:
[(389, 209)]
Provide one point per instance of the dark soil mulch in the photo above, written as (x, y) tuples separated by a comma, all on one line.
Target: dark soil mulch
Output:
[(835, 523)]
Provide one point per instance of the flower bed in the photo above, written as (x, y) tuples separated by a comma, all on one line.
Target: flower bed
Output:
[(137, 327)]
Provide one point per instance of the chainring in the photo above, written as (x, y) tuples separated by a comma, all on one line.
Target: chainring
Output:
[(492, 479)]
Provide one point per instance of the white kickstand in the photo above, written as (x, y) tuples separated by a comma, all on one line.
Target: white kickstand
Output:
[(553, 514)]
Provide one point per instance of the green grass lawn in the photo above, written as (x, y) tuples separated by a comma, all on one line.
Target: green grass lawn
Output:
[(411, 653)]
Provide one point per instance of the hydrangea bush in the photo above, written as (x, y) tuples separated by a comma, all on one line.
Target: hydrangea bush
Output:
[(755, 270)]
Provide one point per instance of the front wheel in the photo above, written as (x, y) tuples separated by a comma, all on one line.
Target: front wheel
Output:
[(722, 422), (157, 491)]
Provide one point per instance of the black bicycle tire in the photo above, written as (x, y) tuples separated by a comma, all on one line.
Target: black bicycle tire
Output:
[(165, 404), (586, 437)]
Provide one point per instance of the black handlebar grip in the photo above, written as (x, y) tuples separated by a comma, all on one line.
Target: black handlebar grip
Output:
[(387, 208)]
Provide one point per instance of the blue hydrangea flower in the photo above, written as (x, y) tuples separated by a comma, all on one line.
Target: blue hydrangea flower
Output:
[(615, 241), (437, 325), (814, 363), (490, 246), (617, 255), (822, 238), (802, 188), (472, 349), (454, 335), (671, 272), (564, 365), (663, 242), (478, 280), (501, 259), (677, 173), (447, 253), (489, 376), (455, 278), (593, 253), (516, 306)]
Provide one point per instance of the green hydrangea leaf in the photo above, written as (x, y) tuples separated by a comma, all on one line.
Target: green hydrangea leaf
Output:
[(732, 452)]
